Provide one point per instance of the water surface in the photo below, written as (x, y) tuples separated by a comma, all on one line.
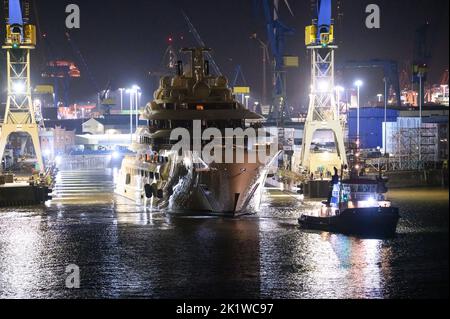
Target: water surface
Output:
[(124, 252)]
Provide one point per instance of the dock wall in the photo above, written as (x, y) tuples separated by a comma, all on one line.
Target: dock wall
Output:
[(23, 196)]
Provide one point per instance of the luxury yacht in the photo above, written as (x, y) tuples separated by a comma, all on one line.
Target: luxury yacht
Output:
[(214, 173)]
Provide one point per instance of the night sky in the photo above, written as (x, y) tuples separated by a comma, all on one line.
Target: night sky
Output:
[(123, 40)]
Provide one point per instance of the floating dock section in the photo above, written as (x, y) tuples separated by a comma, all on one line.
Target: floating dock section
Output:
[(18, 194)]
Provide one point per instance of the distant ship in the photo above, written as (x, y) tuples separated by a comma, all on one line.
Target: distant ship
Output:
[(163, 178)]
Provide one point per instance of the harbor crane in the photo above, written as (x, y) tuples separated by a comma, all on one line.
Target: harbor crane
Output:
[(323, 109), (20, 115), (277, 31)]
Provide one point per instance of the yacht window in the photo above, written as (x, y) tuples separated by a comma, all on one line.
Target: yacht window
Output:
[(157, 176), (152, 175), (128, 179)]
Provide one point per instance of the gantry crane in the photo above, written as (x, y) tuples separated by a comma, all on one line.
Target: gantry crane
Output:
[(323, 109), (20, 113)]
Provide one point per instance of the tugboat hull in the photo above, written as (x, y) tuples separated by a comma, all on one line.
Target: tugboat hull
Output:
[(375, 221)]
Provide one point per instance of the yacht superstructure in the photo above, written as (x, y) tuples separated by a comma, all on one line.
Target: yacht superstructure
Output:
[(195, 103)]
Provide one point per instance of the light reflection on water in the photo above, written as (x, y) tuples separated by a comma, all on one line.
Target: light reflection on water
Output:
[(125, 252)]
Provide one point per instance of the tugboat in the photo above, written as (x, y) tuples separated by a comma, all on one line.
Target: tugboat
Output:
[(356, 206)]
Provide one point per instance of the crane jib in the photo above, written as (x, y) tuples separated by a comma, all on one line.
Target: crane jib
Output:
[(324, 15), (15, 13)]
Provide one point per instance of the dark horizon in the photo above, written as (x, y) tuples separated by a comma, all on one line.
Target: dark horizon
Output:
[(122, 44)]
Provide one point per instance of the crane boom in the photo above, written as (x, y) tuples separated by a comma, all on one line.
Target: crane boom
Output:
[(15, 13), (201, 43), (324, 16)]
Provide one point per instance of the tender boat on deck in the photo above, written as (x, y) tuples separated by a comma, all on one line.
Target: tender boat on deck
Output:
[(356, 207)]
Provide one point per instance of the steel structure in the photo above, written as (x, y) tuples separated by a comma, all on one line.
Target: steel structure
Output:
[(415, 148), (277, 32), (20, 116), (407, 155), (323, 109)]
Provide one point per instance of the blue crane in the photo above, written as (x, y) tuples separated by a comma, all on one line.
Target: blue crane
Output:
[(238, 73), (324, 21), (276, 34), (18, 16), (15, 13)]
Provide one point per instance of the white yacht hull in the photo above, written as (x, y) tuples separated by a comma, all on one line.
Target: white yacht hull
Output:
[(181, 185)]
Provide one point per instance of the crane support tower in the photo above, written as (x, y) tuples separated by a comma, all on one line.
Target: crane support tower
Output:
[(20, 113), (323, 110)]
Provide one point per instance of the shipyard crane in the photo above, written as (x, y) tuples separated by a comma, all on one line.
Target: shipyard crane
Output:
[(277, 32), (242, 89), (421, 60), (323, 109), (77, 51), (20, 115), (56, 68), (102, 94), (169, 62)]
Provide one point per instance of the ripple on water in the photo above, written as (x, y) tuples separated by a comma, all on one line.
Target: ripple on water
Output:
[(124, 251)]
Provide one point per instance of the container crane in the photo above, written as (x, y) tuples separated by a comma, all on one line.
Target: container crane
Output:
[(240, 89)]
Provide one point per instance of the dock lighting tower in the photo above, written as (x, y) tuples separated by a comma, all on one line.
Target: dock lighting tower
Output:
[(130, 92), (136, 90), (277, 33), (323, 114), (247, 98), (358, 84), (121, 98), (20, 115)]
